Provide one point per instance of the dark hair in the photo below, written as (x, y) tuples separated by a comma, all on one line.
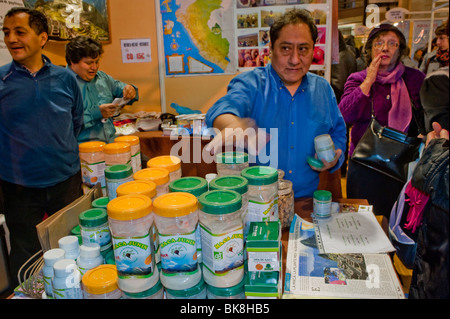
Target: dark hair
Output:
[(36, 19), (82, 47), (442, 29), (368, 47), (293, 16)]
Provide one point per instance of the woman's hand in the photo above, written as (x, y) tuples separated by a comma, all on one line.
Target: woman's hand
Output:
[(108, 110), (129, 92), (372, 71)]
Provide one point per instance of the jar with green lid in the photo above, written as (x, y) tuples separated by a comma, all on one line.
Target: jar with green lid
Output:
[(94, 228), (231, 163), (196, 292), (235, 292), (196, 186), (262, 194), (322, 203), (156, 292), (115, 176), (100, 202), (222, 237)]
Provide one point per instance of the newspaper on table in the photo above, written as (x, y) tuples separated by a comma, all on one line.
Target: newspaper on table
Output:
[(310, 274)]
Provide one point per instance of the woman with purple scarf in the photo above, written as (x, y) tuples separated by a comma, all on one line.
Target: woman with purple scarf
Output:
[(390, 87)]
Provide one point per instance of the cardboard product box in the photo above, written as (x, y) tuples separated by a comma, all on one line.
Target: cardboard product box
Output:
[(263, 285), (264, 246)]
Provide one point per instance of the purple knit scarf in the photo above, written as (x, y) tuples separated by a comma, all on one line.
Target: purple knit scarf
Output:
[(400, 115)]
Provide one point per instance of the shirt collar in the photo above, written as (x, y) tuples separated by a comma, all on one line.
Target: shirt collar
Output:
[(279, 83), (18, 66)]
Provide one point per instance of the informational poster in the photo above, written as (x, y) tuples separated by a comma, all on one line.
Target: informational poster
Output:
[(5, 5), (421, 34)]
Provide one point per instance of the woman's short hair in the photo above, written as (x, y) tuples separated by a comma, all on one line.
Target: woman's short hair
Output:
[(82, 47), (293, 16)]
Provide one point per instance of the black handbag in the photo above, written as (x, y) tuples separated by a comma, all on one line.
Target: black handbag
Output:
[(386, 150)]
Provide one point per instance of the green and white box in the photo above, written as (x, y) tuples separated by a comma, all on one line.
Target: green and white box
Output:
[(263, 285), (264, 246)]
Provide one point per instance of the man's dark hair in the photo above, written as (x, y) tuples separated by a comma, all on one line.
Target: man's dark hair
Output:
[(36, 19), (82, 47), (293, 16)]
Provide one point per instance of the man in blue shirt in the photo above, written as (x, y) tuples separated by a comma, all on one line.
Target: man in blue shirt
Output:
[(291, 104), (41, 115)]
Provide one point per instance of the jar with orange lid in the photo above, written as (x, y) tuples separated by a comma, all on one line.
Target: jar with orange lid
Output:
[(176, 218), (101, 283), (92, 160), (159, 176), (135, 149), (117, 153), (169, 162), (130, 218)]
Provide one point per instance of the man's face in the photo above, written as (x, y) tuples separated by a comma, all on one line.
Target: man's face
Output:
[(24, 45), (292, 53), (87, 68)]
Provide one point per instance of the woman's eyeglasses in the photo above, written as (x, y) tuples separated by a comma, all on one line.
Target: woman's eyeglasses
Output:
[(391, 44)]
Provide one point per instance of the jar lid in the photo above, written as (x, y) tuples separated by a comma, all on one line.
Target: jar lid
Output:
[(91, 250), (322, 195), (157, 175), (175, 204), (260, 175), (68, 243), (100, 280), (232, 182), (93, 217), (129, 207), (144, 187), (100, 202), (76, 230), (195, 290), (93, 146), (118, 171), (219, 202), (192, 184), (232, 158), (116, 148), (53, 255), (66, 267), (323, 140), (146, 293), (227, 292), (169, 162), (130, 139)]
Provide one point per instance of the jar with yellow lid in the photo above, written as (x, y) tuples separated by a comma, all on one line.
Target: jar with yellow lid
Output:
[(135, 149), (169, 162), (117, 153), (176, 218), (159, 176), (130, 218), (92, 160), (101, 283)]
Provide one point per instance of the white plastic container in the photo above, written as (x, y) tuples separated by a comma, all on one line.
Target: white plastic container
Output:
[(117, 153), (231, 163), (235, 292), (94, 228), (169, 162), (66, 280), (196, 292), (222, 238), (89, 258), (176, 218), (117, 175), (71, 246), (130, 218), (159, 176), (92, 160), (135, 150), (325, 147), (101, 283), (50, 258), (322, 203), (156, 292)]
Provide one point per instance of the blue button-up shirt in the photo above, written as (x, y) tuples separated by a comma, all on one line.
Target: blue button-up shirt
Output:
[(261, 95), (40, 119)]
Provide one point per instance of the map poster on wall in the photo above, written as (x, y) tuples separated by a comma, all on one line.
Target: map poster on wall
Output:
[(198, 36)]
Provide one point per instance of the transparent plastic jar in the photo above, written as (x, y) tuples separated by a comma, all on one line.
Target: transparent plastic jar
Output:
[(235, 292), (66, 280), (285, 203), (50, 258), (159, 176), (196, 292), (101, 283), (262, 194), (195, 186), (156, 292), (135, 150), (100, 202), (89, 258), (117, 175), (324, 147), (92, 161), (222, 235), (169, 162), (176, 218), (94, 228), (117, 153), (130, 219), (231, 163)]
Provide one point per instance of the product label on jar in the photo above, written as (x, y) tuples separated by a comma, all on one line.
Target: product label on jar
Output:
[(93, 173), (178, 254), (101, 236), (263, 211), (112, 185), (222, 253), (68, 293), (133, 256)]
